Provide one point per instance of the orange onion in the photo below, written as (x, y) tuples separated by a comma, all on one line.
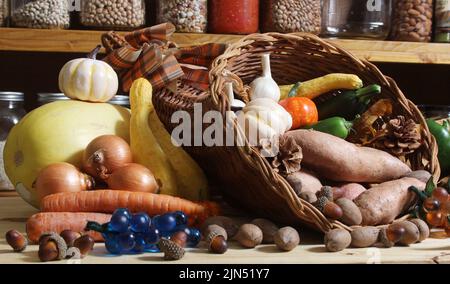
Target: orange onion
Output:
[(105, 154), (61, 177), (133, 177)]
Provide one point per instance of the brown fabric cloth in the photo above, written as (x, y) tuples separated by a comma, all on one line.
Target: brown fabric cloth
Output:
[(148, 53)]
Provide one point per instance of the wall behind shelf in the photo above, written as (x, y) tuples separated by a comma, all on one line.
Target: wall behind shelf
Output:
[(32, 72)]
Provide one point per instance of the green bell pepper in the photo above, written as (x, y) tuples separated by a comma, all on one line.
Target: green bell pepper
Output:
[(442, 135), (336, 126)]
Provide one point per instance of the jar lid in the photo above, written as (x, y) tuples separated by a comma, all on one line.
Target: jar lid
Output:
[(50, 97), (120, 100), (11, 96)]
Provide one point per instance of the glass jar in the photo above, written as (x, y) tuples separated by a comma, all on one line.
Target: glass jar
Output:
[(233, 16), (412, 20), (40, 14), (11, 111), (45, 98), (113, 14), (287, 16), (4, 11), (442, 19), (188, 16), (120, 100), (365, 19)]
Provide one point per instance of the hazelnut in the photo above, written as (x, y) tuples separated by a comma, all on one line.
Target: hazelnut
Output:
[(286, 238), (16, 240), (69, 237), (249, 235), (268, 228), (85, 244)]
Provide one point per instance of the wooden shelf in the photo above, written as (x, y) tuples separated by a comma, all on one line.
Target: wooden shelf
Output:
[(12, 39)]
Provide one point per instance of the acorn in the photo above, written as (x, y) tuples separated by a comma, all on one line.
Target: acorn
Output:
[(180, 238), (73, 253), (16, 240), (328, 208), (69, 237), (52, 247), (327, 192), (171, 250), (84, 244), (216, 243), (48, 251), (384, 239), (218, 230)]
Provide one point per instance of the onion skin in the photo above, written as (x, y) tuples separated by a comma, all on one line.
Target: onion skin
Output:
[(61, 177), (133, 177), (104, 155)]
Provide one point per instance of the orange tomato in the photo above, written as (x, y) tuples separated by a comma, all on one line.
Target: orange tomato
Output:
[(303, 111)]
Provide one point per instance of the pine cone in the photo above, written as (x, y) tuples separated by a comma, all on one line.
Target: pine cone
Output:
[(284, 154), (399, 137)]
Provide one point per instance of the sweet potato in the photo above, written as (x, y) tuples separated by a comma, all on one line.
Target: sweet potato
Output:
[(382, 203), (305, 184), (352, 190), (338, 160)]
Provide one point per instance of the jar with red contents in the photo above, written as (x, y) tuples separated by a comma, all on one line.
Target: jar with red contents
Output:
[(233, 16)]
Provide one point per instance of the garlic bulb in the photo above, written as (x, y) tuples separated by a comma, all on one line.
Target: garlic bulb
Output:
[(263, 118), (234, 103), (265, 86)]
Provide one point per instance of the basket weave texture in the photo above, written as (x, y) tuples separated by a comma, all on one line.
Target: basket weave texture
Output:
[(245, 178)]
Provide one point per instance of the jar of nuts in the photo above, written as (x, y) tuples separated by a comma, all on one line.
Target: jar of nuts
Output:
[(442, 15), (287, 16), (412, 20), (188, 16), (40, 14), (113, 14)]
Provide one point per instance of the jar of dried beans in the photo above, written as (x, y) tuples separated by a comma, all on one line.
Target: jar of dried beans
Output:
[(288, 16), (233, 16), (413, 20), (40, 14), (113, 14), (188, 16)]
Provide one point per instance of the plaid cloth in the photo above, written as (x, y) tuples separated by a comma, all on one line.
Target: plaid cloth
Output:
[(148, 53)]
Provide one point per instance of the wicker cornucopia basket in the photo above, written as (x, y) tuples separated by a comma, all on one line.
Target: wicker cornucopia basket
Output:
[(246, 179)]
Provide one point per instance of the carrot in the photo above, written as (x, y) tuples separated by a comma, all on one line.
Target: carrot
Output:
[(106, 201), (59, 221)]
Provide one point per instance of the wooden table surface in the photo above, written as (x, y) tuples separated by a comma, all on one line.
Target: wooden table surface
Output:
[(14, 212)]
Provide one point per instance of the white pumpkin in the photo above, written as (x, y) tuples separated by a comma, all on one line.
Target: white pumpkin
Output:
[(88, 79)]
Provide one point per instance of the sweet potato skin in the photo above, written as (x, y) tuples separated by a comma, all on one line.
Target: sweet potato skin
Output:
[(306, 184), (382, 203), (338, 160)]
